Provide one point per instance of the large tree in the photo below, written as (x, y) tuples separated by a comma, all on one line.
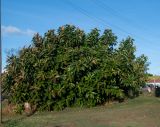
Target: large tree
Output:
[(69, 67)]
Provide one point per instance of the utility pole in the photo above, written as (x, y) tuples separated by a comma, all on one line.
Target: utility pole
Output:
[(0, 74)]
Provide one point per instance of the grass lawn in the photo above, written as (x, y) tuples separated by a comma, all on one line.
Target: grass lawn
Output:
[(143, 111)]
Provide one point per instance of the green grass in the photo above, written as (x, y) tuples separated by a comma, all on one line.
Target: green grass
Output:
[(143, 111)]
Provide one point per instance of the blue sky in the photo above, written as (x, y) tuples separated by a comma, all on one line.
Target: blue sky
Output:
[(137, 18)]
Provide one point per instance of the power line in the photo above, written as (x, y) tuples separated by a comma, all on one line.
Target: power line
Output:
[(117, 14), (84, 12), (105, 6)]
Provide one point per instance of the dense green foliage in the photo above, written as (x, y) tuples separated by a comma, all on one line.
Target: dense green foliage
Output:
[(70, 68)]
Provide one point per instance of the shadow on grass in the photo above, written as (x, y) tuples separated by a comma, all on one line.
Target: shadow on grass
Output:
[(13, 122)]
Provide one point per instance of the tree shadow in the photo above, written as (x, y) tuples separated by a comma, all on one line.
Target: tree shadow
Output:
[(13, 122)]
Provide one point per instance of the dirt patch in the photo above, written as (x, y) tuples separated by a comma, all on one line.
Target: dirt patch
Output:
[(8, 110)]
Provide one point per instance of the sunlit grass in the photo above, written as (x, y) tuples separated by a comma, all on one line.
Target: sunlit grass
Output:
[(143, 111)]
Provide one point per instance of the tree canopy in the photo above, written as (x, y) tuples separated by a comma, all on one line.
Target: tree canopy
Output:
[(72, 68)]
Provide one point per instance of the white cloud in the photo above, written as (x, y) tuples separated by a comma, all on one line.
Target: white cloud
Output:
[(12, 30)]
